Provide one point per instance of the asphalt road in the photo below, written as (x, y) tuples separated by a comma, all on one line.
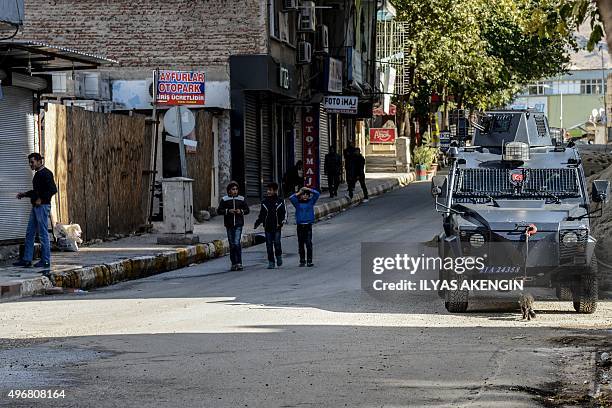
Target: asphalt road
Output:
[(292, 337)]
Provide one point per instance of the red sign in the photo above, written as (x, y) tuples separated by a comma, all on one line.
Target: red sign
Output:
[(517, 177), (379, 111), (180, 88), (310, 128), (382, 135)]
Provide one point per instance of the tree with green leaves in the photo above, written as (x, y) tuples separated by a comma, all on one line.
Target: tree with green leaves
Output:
[(478, 51), (551, 17)]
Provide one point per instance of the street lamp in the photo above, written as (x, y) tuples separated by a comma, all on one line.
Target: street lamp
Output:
[(561, 94), (603, 87)]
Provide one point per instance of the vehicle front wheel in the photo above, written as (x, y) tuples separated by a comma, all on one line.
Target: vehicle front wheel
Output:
[(585, 292), (456, 300), (442, 277)]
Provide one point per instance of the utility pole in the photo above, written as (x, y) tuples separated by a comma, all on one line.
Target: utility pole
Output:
[(604, 92)]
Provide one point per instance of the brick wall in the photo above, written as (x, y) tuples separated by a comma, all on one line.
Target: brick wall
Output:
[(147, 34)]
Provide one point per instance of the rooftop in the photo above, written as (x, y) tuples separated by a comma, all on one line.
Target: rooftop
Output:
[(40, 57)]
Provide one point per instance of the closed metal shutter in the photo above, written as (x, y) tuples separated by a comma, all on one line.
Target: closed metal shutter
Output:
[(251, 151), (323, 144), (16, 142), (267, 161)]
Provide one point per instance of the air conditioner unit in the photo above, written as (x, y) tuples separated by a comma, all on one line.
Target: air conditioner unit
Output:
[(307, 17), (304, 52), (290, 5), (97, 86), (68, 84), (323, 39)]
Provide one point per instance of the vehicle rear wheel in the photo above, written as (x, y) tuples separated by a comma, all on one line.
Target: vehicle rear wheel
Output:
[(457, 300), (585, 292), (563, 293)]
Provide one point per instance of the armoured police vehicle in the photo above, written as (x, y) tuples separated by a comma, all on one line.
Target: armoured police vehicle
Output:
[(522, 205)]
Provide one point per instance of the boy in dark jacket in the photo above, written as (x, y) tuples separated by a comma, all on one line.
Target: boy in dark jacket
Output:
[(272, 215), (234, 207), (304, 201)]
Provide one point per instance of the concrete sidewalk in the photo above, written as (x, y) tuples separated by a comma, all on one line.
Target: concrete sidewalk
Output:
[(140, 256)]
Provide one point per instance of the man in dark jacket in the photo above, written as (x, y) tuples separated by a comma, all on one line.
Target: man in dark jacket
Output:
[(333, 168), (348, 157), (273, 215), (234, 207), (40, 196), (357, 174), (293, 178)]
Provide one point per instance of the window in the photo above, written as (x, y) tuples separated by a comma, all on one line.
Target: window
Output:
[(539, 88), (282, 24), (591, 86)]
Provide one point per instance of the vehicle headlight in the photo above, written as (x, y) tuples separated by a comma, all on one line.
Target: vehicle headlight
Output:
[(477, 240), (569, 238)]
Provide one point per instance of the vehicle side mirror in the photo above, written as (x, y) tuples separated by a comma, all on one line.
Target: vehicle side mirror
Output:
[(438, 185), (600, 190)]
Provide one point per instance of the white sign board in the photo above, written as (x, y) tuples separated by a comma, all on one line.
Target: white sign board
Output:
[(341, 104), (171, 124), (334, 83)]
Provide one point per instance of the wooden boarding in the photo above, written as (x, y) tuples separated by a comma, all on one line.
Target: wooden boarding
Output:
[(200, 164), (98, 160)]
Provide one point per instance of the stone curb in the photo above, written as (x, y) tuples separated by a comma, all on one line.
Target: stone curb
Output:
[(96, 276)]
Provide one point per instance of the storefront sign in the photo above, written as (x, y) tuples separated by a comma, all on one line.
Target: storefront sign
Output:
[(379, 111), (341, 104), (283, 80), (334, 75), (382, 135), (180, 88), (355, 72), (310, 132)]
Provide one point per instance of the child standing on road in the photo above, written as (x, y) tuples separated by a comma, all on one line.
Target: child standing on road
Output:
[(304, 201), (234, 207), (272, 215)]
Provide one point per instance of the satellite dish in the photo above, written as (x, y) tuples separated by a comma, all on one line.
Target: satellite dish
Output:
[(595, 113), (171, 122)]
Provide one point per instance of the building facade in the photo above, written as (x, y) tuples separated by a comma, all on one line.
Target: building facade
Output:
[(268, 64), (23, 80), (567, 100)]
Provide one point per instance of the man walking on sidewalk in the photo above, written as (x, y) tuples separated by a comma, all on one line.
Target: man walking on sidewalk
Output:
[(304, 201), (234, 207), (357, 174), (333, 168), (272, 215), (40, 196)]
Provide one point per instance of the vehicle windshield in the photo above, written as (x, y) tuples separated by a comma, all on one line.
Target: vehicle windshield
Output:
[(516, 183)]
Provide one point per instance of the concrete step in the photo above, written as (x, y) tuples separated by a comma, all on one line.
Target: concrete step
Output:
[(381, 163)]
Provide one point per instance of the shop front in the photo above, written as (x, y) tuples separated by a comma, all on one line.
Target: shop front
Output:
[(20, 121), (263, 121)]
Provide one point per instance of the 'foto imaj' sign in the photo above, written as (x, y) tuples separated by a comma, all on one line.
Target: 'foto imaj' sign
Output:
[(341, 104), (180, 88)]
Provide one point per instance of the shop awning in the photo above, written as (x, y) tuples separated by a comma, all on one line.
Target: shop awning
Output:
[(39, 57)]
